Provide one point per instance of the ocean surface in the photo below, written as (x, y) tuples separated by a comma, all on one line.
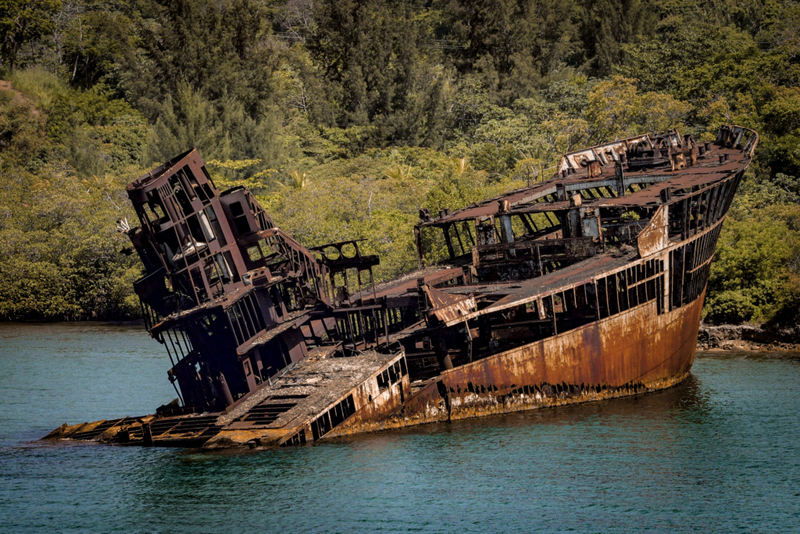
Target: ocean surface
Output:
[(718, 453)]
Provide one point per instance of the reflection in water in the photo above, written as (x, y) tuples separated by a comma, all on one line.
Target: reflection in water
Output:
[(718, 452)]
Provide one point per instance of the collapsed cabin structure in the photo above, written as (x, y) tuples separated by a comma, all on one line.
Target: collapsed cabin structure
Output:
[(586, 286)]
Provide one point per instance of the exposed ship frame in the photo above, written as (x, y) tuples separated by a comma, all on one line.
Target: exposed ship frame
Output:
[(587, 286)]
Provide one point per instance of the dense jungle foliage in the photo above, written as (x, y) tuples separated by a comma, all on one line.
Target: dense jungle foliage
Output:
[(345, 117)]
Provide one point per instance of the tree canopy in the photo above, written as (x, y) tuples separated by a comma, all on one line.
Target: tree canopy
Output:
[(347, 116)]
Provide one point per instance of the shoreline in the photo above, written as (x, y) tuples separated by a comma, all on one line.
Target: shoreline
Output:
[(748, 337)]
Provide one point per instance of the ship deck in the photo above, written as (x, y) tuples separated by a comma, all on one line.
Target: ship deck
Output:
[(309, 401)]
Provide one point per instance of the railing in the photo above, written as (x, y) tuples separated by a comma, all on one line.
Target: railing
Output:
[(301, 261)]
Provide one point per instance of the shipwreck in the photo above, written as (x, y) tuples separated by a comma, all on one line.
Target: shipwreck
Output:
[(587, 286)]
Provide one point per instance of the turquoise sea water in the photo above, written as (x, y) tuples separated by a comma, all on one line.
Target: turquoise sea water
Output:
[(718, 453)]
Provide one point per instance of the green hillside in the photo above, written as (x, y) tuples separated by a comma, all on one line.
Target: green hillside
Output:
[(346, 117)]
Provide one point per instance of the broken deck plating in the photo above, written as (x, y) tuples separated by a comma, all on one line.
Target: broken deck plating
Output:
[(311, 400)]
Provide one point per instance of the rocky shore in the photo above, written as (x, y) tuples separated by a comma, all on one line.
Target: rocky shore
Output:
[(748, 337)]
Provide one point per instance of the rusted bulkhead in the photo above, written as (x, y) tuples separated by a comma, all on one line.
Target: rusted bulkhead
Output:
[(584, 287)]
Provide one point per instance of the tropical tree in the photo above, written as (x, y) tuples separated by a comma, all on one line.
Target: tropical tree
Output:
[(22, 21)]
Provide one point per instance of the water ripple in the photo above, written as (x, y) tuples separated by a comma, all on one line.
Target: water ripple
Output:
[(720, 452)]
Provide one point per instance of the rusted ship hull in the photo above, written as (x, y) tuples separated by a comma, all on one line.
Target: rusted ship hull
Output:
[(585, 287), (632, 353), (617, 357)]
